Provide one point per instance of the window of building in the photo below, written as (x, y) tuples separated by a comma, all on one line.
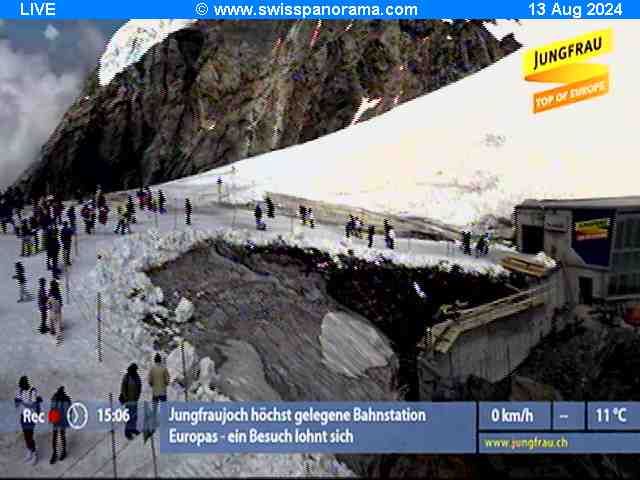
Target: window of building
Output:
[(625, 261), (619, 234), (628, 233)]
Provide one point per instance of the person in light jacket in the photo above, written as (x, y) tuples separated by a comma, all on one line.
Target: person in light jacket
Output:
[(26, 402), (158, 380)]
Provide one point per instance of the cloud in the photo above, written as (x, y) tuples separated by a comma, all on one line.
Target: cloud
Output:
[(92, 43), (51, 33), (32, 101)]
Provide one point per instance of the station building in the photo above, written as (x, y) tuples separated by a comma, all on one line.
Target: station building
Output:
[(595, 241)]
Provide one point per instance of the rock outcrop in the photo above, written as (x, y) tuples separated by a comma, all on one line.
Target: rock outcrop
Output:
[(221, 91)]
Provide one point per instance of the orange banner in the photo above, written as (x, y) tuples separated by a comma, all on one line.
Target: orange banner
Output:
[(561, 62)]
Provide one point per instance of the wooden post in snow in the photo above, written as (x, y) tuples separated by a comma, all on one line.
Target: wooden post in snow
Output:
[(99, 327), (184, 372), (113, 439)]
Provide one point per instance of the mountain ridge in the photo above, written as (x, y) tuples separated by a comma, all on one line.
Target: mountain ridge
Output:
[(217, 92)]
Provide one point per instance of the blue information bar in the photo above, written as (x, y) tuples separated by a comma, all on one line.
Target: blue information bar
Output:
[(317, 9), (515, 416), (529, 443), (322, 427)]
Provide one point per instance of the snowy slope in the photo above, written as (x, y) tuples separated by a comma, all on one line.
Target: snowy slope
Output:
[(471, 148), (132, 41)]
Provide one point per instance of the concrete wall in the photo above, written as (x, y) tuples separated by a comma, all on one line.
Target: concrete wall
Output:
[(494, 350)]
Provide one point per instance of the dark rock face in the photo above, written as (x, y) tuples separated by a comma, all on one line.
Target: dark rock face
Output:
[(254, 311), (222, 91)]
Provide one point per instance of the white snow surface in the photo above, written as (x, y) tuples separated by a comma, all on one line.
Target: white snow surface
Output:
[(432, 156), (132, 41)]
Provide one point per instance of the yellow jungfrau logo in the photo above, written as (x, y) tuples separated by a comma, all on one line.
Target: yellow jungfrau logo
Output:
[(559, 62)]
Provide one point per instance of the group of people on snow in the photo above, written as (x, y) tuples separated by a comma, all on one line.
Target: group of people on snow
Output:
[(481, 247), (354, 228), (306, 216), (28, 402)]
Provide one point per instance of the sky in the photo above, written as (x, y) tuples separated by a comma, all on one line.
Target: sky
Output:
[(44, 66)]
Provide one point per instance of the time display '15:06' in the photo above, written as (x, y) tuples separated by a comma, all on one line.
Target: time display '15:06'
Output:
[(117, 415)]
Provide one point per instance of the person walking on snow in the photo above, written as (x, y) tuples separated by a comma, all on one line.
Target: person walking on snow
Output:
[(71, 216), (103, 214), (271, 211), (43, 304), (131, 210), (35, 244), (66, 235), (188, 209), (392, 238), (121, 227), (158, 381), (54, 303), (162, 202), (303, 214), (130, 390), (258, 214), (480, 246), (466, 242), (25, 235), (21, 280), (370, 233), (358, 227), (60, 404), (86, 217), (141, 198), (27, 402), (53, 251), (311, 218)]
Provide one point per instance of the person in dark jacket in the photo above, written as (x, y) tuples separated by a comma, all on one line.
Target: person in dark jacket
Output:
[(141, 198), (66, 235), (466, 242), (303, 214), (71, 215), (21, 280), (271, 209), (25, 236), (188, 209), (53, 251), (258, 214), (43, 299), (131, 210), (219, 182), (130, 391), (370, 233), (86, 214), (311, 218), (6, 215), (35, 229), (60, 403), (26, 402), (162, 202)]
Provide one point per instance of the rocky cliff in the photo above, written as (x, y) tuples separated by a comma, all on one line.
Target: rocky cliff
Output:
[(222, 91)]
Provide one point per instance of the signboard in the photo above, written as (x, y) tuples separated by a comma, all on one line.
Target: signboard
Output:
[(591, 235), (596, 229)]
